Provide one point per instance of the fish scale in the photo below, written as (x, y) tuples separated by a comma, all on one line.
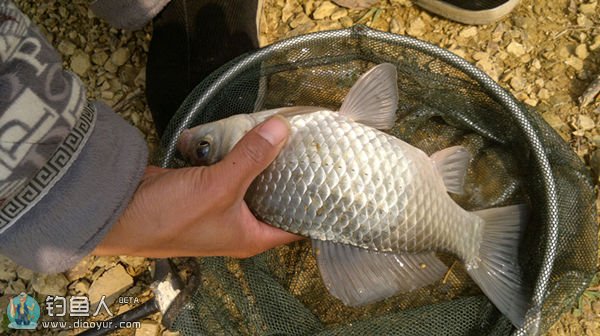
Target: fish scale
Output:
[(369, 196)]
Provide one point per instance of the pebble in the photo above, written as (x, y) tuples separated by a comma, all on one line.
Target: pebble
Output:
[(581, 51), (356, 3), (300, 19), (587, 9), (518, 83), (543, 94), (147, 329), (120, 56), (416, 28), (15, 287), (469, 32), (50, 284), (586, 123), (66, 47), (24, 273), (553, 120), (99, 58), (80, 63), (574, 62), (339, 13), (8, 269), (324, 10), (516, 49), (111, 283), (170, 333)]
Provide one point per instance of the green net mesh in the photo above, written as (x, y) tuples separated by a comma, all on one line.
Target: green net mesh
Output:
[(444, 101)]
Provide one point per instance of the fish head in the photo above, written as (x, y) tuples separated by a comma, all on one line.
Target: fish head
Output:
[(208, 143)]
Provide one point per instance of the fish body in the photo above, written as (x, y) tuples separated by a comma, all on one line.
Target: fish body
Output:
[(376, 208), (341, 181)]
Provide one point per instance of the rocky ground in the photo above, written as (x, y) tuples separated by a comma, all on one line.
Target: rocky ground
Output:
[(546, 53)]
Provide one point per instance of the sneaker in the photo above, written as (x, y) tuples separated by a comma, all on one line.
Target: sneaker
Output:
[(469, 11), (191, 39)]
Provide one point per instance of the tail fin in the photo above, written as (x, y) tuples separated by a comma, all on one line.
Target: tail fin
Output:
[(496, 269)]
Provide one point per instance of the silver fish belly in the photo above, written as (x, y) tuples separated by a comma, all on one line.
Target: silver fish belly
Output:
[(341, 181)]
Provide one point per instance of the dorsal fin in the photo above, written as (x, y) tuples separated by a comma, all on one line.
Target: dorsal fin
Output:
[(373, 99), (452, 164)]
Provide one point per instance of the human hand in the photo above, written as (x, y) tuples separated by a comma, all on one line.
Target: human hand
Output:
[(200, 211)]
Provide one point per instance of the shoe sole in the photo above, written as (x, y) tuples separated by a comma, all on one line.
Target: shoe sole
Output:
[(467, 16)]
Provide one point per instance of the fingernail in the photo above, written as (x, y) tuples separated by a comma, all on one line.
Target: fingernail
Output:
[(274, 130)]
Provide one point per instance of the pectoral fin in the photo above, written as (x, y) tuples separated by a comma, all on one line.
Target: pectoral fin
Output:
[(373, 99), (452, 164), (357, 276)]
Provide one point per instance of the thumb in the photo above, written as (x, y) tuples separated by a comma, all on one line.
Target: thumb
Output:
[(253, 153)]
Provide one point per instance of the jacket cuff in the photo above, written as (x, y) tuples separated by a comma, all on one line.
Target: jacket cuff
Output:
[(68, 223), (129, 15)]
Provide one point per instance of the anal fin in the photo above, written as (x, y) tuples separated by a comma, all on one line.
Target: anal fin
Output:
[(357, 276)]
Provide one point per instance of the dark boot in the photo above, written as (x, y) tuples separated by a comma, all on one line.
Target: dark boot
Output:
[(469, 11)]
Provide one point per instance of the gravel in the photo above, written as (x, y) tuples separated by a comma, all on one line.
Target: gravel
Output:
[(546, 53)]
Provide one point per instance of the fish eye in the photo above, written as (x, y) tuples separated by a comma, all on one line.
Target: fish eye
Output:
[(202, 150)]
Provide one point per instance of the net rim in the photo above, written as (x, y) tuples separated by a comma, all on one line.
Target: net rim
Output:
[(502, 96)]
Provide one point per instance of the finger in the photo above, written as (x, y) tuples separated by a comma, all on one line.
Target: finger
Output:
[(270, 236), (253, 153)]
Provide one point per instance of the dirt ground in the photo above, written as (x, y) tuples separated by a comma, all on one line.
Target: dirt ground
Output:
[(546, 53)]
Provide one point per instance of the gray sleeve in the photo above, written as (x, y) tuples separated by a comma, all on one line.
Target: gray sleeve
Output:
[(130, 14), (66, 224), (68, 168)]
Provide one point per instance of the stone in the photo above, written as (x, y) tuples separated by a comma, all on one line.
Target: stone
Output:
[(99, 58), (581, 51), (176, 333), (8, 269), (324, 10), (468, 32), (346, 21), (575, 63), (24, 273), (111, 283), (81, 287), (80, 63), (147, 329), (416, 28), (134, 265), (543, 94), (66, 47), (518, 83), (596, 140), (299, 20), (50, 284), (109, 66), (339, 13), (15, 287), (596, 44), (553, 120), (288, 10), (588, 8), (515, 48), (586, 123), (359, 4), (120, 56), (80, 270)]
